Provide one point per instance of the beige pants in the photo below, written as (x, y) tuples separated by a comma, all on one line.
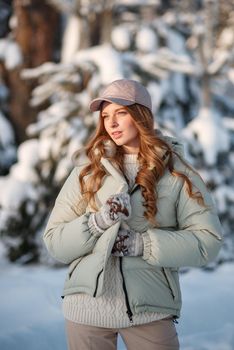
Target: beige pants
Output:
[(157, 335)]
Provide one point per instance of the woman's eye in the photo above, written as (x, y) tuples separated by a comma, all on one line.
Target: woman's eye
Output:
[(122, 113)]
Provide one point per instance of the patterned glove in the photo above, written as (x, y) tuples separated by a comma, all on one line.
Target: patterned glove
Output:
[(128, 243), (117, 207)]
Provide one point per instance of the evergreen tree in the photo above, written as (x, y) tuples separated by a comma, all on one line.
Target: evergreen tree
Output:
[(182, 54)]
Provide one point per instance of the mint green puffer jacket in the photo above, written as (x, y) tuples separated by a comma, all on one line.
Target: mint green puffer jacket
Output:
[(188, 234)]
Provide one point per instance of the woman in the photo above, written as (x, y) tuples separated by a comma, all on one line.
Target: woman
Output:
[(126, 220)]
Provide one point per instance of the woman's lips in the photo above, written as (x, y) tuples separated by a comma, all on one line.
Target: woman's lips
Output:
[(116, 134)]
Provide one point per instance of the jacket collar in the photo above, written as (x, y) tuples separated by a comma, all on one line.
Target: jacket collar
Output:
[(117, 175)]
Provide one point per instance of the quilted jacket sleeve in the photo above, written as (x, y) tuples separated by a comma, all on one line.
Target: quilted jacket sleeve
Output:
[(197, 239), (67, 236)]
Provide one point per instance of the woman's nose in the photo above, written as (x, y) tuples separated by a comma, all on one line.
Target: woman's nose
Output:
[(113, 122)]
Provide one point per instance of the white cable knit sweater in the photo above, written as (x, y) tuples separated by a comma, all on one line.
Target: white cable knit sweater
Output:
[(108, 310)]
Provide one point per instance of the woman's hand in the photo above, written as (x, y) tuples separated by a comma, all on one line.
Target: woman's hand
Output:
[(128, 243)]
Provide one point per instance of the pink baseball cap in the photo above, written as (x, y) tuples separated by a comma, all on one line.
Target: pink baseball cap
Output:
[(124, 92)]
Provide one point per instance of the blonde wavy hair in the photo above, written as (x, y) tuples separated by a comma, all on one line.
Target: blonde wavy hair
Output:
[(155, 156)]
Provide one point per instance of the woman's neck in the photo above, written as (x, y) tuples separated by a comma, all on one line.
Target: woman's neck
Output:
[(130, 150)]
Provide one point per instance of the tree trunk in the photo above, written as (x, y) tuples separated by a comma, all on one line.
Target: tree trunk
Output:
[(37, 26), (96, 28)]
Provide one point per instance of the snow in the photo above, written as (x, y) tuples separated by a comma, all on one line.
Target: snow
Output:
[(231, 75), (46, 68), (10, 53), (170, 61), (28, 152), (17, 187), (224, 194), (138, 2), (173, 76), (23, 173), (71, 42), (146, 40), (108, 61), (220, 58), (24, 169), (226, 38), (52, 116), (31, 316), (121, 38), (7, 140), (14, 192), (155, 91), (6, 135), (208, 127), (45, 147)]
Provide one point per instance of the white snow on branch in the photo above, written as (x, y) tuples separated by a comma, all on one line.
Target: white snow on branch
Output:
[(58, 83), (223, 194), (226, 39), (138, 2), (52, 116), (208, 129), (47, 68), (149, 63), (14, 192), (71, 38), (229, 123), (108, 61), (24, 169), (155, 91), (10, 53), (166, 59), (7, 142), (121, 38), (230, 75), (146, 40), (220, 58)]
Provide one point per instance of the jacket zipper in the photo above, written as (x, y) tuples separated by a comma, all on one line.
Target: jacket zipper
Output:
[(95, 292), (134, 189), (129, 311)]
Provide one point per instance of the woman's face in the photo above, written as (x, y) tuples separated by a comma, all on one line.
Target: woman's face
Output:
[(120, 127)]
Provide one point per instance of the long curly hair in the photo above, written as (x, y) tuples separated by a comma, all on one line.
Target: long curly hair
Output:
[(155, 156)]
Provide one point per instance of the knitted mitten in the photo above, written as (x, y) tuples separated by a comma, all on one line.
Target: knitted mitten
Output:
[(117, 207), (128, 243)]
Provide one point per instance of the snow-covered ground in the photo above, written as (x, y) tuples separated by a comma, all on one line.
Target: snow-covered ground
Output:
[(31, 317)]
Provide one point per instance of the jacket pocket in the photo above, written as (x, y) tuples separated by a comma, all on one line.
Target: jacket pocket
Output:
[(173, 286), (72, 266), (214, 234)]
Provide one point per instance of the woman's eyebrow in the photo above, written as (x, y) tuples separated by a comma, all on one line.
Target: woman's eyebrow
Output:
[(117, 110)]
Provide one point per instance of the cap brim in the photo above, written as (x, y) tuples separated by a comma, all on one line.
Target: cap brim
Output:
[(95, 105)]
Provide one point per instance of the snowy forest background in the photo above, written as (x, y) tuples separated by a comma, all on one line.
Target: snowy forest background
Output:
[(55, 55)]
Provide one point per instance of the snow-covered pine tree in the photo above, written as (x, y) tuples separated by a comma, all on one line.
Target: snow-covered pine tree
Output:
[(7, 144), (29, 39), (44, 160), (7, 50), (150, 42), (210, 132)]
